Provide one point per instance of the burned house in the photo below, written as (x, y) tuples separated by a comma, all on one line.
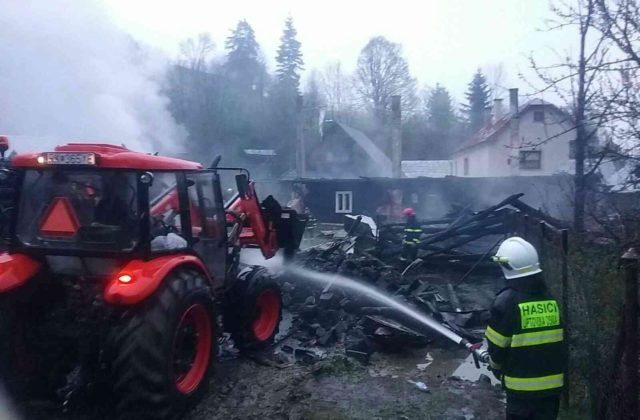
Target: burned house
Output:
[(328, 200), (345, 153)]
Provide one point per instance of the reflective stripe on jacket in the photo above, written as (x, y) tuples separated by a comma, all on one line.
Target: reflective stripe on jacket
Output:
[(526, 339), (412, 232)]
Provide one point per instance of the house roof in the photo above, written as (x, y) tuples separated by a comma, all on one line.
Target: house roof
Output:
[(260, 152), (427, 168), (620, 175), (491, 130), (378, 157)]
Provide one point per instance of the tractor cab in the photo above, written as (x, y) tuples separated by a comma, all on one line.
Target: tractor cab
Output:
[(99, 201)]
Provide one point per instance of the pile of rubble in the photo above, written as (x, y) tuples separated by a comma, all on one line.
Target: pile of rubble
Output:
[(436, 283)]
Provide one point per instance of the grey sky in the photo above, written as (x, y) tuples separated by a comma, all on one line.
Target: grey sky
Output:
[(444, 40)]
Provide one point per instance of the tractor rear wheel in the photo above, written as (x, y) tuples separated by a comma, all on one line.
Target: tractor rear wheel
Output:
[(256, 311), (164, 352)]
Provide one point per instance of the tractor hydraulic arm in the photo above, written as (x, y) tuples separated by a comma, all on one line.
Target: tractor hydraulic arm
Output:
[(257, 231)]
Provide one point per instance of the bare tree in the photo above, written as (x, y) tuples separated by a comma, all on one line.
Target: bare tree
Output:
[(619, 23), (195, 52), (577, 81), (381, 73), (496, 79), (337, 88)]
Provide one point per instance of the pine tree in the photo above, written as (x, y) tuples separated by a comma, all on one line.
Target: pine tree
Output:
[(478, 99), (285, 93), (289, 59), (243, 62), (440, 113)]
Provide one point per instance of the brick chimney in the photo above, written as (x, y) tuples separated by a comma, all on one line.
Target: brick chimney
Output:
[(497, 109), (487, 116), (513, 101), (514, 128), (396, 136)]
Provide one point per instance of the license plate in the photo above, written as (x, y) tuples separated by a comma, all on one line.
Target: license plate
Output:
[(71, 159)]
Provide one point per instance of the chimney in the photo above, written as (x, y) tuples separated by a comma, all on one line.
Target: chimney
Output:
[(487, 116), (396, 137), (513, 101), (514, 127), (301, 150), (497, 109)]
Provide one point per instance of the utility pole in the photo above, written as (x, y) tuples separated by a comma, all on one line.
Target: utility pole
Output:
[(630, 384)]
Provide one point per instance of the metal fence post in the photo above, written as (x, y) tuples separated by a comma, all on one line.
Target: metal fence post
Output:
[(543, 242), (630, 378), (565, 306)]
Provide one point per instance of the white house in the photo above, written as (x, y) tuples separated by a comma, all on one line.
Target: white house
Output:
[(530, 140)]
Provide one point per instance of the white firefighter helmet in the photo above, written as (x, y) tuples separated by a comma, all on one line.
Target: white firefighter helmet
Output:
[(517, 258)]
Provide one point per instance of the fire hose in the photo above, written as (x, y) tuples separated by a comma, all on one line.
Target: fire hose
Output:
[(479, 354)]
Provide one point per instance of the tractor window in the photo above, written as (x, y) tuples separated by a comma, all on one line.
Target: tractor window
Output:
[(79, 209), (205, 207), (164, 204), (207, 220)]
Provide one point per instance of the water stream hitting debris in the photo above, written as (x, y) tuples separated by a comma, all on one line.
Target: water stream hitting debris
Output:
[(370, 291)]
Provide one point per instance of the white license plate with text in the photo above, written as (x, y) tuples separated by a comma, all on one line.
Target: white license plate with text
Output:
[(71, 158)]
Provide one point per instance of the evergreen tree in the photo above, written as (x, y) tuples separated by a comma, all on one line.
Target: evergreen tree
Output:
[(478, 99), (242, 91), (244, 64), (440, 113), (286, 89), (289, 59)]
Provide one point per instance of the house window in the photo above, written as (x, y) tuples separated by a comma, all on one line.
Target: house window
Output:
[(538, 116), (466, 166), (530, 159), (344, 201)]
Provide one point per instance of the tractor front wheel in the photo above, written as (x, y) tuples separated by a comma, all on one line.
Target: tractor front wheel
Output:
[(165, 350), (256, 309)]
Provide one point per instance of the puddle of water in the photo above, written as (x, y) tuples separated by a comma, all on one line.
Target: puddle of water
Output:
[(469, 372)]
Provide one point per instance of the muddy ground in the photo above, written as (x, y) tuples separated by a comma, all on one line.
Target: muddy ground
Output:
[(335, 388), (250, 386), (342, 388)]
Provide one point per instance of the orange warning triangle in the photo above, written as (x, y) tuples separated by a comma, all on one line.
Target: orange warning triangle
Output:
[(60, 219)]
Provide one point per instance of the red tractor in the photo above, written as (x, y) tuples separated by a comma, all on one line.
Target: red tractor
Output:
[(123, 267)]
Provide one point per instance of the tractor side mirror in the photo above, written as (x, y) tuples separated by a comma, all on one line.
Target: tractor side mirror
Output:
[(216, 162), (242, 185)]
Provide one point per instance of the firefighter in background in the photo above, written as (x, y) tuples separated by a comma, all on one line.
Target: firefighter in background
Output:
[(525, 335), (412, 232)]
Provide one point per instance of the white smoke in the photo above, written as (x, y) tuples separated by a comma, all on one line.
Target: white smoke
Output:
[(68, 74)]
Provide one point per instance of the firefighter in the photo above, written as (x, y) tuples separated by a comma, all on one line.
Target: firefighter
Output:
[(525, 335), (412, 232)]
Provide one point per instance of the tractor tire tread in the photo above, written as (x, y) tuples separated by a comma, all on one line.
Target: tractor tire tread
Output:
[(141, 345)]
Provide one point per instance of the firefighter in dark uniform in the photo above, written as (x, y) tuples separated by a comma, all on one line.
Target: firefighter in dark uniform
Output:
[(412, 232), (525, 336)]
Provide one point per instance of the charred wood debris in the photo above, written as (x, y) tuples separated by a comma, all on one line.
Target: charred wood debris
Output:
[(450, 251)]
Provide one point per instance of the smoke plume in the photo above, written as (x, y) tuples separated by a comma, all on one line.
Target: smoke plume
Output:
[(68, 74)]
